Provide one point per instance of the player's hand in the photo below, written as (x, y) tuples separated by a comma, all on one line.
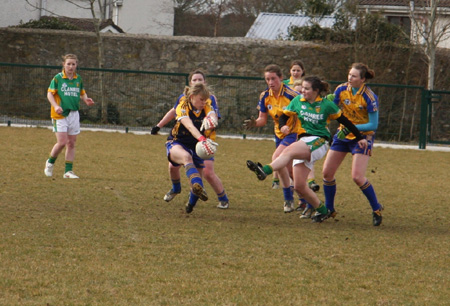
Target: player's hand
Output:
[(341, 134), (209, 146), (285, 130), (58, 110), (89, 101), (155, 130), (363, 144), (249, 123), (209, 122)]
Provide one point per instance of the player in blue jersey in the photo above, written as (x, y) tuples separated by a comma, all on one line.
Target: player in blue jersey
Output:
[(192, 114), (314, 111), (360, 104), (64, 94), (272, 102), (196, 76)]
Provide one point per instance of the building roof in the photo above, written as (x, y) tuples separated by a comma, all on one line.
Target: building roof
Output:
[(87, 24), (276, 26), (418, 3)]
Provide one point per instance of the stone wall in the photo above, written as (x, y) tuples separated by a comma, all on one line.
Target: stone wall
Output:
[(219, 56)]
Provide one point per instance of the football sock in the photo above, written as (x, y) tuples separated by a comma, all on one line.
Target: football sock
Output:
[(302, 200), (192, 174), (222, 196), (369, 192), (69, 166), (329, 189), (275, 180), (51, 159), (322, 209), (176, 186), (288, 194), (192, 199), (267, 169)]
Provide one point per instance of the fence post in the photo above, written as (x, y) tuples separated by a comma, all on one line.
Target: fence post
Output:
[(423, 118)]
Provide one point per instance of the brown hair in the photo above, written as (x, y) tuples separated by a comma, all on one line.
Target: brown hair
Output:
[(317, 84), (197, 89), (298, 63), (364, 71), (275, 69), (196, 71)]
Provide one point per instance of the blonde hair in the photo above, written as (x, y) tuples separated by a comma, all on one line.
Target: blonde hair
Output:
[(69, 56), (197, 89), (297, 83)]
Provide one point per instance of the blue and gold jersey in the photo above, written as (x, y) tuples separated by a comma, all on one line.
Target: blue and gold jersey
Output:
[(356, 107), (211, 101), (179, 132), (275, 107)]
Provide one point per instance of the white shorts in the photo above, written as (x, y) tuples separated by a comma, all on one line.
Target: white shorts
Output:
[(318, 146), (69, 125)]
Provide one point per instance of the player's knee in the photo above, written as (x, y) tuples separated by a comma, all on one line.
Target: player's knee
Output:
[(359, 179)]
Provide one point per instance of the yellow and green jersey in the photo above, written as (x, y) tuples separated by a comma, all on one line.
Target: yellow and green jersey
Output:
[(275, 107), (67, 93), (289, 82), (314, 117)]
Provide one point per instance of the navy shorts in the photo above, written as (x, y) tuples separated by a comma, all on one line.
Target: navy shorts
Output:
[(198, 162), (287, 140), (351, 145)]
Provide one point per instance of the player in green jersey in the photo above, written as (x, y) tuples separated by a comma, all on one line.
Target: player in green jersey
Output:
[(64, 94), (314, 113)]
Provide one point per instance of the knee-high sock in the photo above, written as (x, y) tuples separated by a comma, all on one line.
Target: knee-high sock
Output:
[(369, 192), (176, 186), (329, 189), (192, 174), (222, 196)]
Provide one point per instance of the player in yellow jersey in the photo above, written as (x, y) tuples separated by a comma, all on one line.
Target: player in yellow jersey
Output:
[(190, 129), (360, 105), (196, 76), (64, 94), (273, 101)]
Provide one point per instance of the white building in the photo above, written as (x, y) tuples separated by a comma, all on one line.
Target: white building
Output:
[(154, 17)]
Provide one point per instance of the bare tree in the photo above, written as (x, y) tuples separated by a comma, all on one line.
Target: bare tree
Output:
[(429, 30)]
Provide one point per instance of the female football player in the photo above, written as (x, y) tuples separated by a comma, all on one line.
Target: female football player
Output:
[(197, 76), (360, 104), (314, 112), (64, 94), (272, 102), (192, 113)]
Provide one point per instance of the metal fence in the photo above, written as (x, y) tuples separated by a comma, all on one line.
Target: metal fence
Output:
[(137, 100)]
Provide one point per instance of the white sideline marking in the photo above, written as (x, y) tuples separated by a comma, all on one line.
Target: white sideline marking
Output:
[(437, 148)]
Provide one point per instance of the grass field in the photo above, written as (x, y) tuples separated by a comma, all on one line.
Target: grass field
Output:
[(109, 238)]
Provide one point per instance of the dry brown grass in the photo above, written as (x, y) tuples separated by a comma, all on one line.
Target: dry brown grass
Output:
[(110, 239)]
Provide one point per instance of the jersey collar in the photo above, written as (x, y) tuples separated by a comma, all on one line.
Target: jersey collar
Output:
[(75, 75)]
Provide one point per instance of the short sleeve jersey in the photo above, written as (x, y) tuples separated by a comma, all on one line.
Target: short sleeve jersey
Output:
[(314, 117), (211, 101), (276, 106), (179, 132), (67, 93), (356, 107)]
